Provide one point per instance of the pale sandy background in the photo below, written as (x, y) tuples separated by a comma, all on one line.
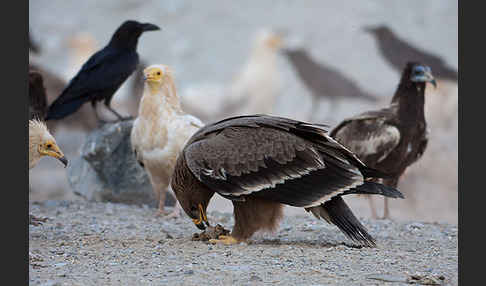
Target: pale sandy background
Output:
[(208, 41)]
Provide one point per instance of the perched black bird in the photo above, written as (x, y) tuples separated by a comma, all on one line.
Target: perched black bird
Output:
[(392, 138), (103, 73), (37, 96), (398, 52), (323, 80)]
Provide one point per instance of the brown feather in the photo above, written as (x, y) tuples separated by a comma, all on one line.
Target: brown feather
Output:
[(261, 162), (255, 214)]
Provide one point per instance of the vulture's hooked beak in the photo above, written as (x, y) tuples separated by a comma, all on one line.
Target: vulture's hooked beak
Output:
[(64, 160), (149, 27), (51, 149), (202, 220)]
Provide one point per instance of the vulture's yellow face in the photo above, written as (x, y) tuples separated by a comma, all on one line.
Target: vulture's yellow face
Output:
[(155, 74), (49, 148)]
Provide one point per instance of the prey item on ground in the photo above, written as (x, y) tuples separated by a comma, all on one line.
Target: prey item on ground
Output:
[(211, 232)]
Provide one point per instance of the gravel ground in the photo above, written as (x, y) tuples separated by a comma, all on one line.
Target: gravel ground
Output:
[(85, 243)]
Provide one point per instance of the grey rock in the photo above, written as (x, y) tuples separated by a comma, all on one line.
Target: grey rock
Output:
[(255, 278), (107, 170)]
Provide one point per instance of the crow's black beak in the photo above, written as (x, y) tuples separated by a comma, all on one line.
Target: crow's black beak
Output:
[(149, 27)]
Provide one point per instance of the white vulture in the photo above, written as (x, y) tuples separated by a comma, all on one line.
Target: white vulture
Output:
[(161, 130), (42, 143)]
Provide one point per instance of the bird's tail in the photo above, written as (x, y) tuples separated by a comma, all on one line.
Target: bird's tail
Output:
[(374, 173), (59, 110), (335, 211), (372, 188)]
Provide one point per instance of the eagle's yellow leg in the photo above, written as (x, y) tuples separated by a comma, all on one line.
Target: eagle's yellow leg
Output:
[(224, 239)]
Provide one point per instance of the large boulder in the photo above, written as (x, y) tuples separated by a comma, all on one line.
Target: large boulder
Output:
[(108, 171)]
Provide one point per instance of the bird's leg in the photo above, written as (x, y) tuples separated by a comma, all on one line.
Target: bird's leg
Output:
[(118, 115), (161, 194), (176, 212), (372, 207), (314, 108), (224, 239), (386, 212), (98, 118), (333, 107)]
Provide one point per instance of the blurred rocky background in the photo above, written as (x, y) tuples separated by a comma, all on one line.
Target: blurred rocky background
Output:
[(213, 48)]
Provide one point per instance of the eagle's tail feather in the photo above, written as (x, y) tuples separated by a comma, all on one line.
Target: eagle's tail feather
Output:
[(335, 211), (372, 188)]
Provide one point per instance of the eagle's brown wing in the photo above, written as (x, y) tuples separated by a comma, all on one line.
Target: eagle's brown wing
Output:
[(274, 158), (371, 136)]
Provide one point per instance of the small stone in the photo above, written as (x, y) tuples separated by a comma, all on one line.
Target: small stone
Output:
[(255, 278), (388, 278)]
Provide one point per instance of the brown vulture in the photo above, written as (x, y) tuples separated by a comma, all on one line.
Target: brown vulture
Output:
[(398, 52), (261, 162), (392, 138)]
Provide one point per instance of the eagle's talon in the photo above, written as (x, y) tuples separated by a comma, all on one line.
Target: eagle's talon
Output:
[(224, 239)]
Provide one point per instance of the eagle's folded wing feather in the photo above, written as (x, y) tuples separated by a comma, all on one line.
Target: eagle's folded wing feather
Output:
[(272, 164)]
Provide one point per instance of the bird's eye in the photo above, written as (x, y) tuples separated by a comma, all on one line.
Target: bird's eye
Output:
[(158, 73), (49, 145)]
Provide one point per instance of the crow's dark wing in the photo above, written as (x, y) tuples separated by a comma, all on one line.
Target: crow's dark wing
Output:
[(287, 166), (371, 135), (324, 80), (398, 52), (105, 70)]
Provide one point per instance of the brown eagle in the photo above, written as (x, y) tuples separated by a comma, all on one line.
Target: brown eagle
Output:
[(261, 162), (392, 138)]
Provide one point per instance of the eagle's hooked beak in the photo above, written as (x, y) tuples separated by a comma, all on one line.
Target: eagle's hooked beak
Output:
[(425, 76), (202, 220)]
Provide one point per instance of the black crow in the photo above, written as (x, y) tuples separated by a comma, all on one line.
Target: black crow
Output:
[(392, 138), (323, 80), (103, 73), (398, 52)]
